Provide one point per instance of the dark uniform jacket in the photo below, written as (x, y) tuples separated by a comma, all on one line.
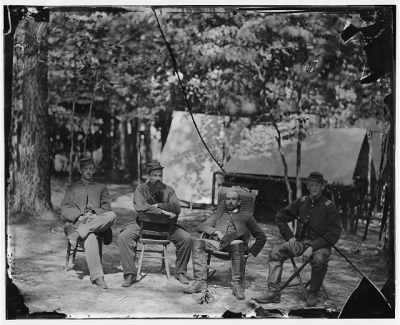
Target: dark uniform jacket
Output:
[(314, 219), (245, 225)]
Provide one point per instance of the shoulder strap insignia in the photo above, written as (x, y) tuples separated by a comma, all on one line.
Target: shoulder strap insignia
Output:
[(328, 202)]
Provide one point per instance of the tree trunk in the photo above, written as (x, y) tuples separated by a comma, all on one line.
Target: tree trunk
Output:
[(132, 150), (12, 16), (89, 130), (147, 142), (32, 190), (139, 155), (122, 145), (8, 78), (285, 167), (107, 144), (115, 144), (71, 151), (299, 193)]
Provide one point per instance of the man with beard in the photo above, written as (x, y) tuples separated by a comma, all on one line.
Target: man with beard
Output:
[(318, 228), (154, 197), (230, 230), (87, 207)]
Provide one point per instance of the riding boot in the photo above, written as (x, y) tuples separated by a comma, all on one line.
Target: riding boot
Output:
[(237, 258), (199, 258), (273, 295), (317, 278)]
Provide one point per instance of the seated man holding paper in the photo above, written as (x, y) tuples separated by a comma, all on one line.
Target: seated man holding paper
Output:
[(154, 197), (230, 230)]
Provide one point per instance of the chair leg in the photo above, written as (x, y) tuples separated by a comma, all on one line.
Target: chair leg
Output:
[(140, 263), (68, 255), (208, 265), (297, 271), (74, 252), (100, 242), (303, 289), (162, 262), (166, 261)]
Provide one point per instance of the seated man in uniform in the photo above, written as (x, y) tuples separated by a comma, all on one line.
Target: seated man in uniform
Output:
[(154, 197), (318, 228), (230, 229), (87, 206)]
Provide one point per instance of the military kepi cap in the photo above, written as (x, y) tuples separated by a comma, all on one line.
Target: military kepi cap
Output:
[(316, 177), (154, 165), (86, 162)]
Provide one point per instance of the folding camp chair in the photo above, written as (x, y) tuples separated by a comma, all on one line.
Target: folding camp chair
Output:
[(296, 274)]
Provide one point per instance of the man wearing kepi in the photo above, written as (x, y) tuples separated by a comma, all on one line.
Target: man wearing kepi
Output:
[(230, 230), (154, 197), (87, 206), (318, 228)]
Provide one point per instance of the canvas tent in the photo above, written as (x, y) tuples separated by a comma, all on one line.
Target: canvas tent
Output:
[(341, 155), (252, 153), (188, 167)]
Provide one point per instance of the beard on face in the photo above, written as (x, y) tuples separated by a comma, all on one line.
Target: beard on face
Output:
[(229, 206), (157, 191)]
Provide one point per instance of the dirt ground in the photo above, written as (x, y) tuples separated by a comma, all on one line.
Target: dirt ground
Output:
[(37, 257)]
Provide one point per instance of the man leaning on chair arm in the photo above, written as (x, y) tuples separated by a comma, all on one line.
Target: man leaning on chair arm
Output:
[(317, 230), (230, 230)]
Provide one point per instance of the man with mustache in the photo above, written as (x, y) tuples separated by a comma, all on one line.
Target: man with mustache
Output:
[(154, 197), (230, 230), (318, 228)]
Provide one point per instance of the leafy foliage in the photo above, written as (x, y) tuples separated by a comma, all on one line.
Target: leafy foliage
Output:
[(266, 66)]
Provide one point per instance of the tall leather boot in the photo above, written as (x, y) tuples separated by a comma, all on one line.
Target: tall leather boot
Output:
[(237, 258), (317, 278), (199, 258), (273, 295)]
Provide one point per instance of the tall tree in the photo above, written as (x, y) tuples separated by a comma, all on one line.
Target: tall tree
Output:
[(31, 193), (12, 16)]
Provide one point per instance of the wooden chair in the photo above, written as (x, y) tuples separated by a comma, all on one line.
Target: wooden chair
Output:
[(80, 248), (155, 229), (247, 201), (301, 284)]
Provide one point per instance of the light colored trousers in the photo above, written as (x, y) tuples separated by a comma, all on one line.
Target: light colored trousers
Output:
[(87, 231)]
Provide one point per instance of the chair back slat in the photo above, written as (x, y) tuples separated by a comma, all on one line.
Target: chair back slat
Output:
[(155, 227), (154, 242), (156, 218)]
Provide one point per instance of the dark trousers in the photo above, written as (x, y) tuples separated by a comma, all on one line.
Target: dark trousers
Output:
[(319, 263), (127, 242)]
